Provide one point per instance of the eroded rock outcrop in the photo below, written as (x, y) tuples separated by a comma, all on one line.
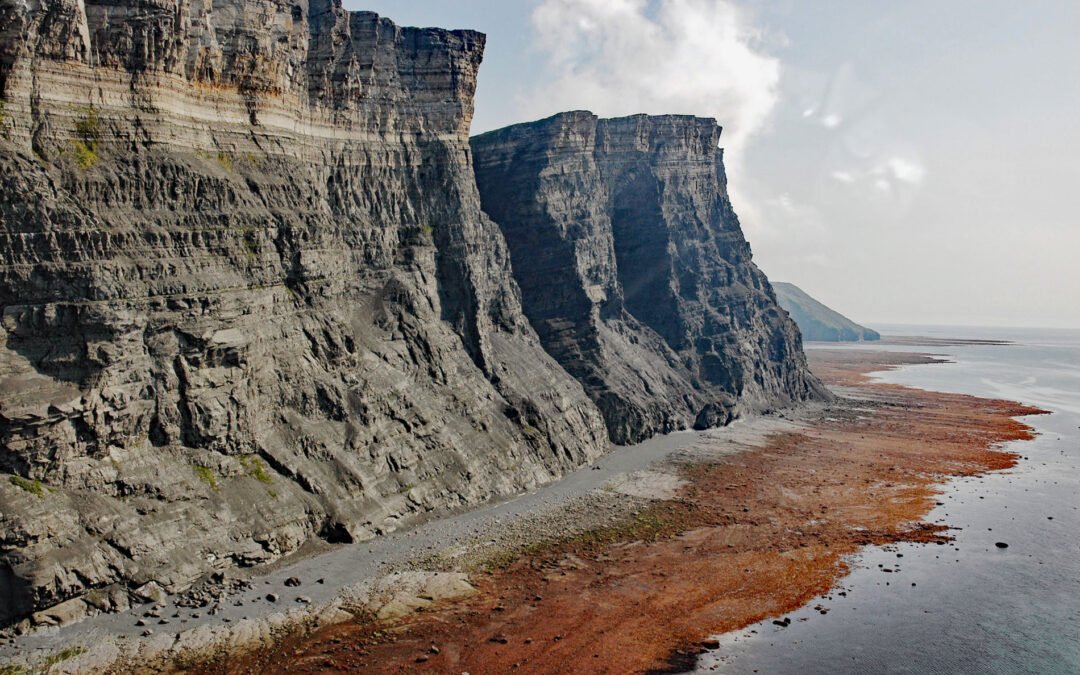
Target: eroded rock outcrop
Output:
[(634, 270), (248, 294)]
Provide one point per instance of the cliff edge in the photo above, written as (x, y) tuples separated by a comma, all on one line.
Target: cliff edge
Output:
[(635, 272)]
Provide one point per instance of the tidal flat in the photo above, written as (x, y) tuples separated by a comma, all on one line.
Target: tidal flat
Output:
[(753, 531)]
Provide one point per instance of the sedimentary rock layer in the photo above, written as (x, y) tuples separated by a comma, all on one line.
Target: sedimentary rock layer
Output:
[(635, 272), (248, 295)]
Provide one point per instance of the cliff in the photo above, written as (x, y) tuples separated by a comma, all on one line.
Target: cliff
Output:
[(635, 272), (248, 295), (818, 322)]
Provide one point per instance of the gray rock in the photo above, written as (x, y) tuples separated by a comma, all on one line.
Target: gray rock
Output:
[(635, 272), (249, 297), (247, 294)]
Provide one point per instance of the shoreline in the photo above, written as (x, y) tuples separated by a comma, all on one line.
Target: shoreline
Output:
[(751, 535), (395, 569), (637, 533)]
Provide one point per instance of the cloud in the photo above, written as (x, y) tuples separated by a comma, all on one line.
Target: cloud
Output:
[(906, 170), (885, 174), (622, 57)]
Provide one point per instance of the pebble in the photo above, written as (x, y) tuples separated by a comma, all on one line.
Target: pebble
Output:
[(1001, 544), (292, 582), (271, 597)]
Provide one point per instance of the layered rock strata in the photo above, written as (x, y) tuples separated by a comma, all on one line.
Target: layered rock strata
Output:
[(248, 295), (635, 272)]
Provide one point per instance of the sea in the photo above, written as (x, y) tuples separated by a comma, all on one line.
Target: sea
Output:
[(969, 607)]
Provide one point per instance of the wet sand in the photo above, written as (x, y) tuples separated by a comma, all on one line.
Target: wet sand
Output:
[(750, 535)]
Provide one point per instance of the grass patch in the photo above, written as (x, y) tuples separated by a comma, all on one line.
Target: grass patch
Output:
[(256, 468), (206, 474), (85, 156), (250, 245), (12, 669), (88, 126), (226, 161), (88, 136), (34, 487), (428, 230), (63, 655), (249, 239)]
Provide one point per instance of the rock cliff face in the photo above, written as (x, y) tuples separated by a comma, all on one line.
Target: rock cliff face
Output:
[(248, 295), (634, 270)]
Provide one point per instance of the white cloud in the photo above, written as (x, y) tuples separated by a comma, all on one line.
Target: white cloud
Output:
[(843, 176), (831, 121), (622, 57), (907, 170)]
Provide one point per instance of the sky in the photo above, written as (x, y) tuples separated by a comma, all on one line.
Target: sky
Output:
[(903, 162)]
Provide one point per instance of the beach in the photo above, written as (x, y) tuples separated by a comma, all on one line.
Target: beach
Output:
[(752, 530)]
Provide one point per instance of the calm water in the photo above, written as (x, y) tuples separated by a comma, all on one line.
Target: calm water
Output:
[(968, 607)]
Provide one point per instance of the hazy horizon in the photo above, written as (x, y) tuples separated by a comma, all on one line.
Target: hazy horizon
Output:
[(903, 164)]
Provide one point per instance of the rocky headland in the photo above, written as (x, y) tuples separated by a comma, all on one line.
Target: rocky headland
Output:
[(634, 270), (251, 302)]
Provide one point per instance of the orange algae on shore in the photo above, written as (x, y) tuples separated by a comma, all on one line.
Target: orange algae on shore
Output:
[(752, 535)]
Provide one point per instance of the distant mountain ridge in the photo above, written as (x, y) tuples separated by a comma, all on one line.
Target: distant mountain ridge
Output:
[(818, 322)]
